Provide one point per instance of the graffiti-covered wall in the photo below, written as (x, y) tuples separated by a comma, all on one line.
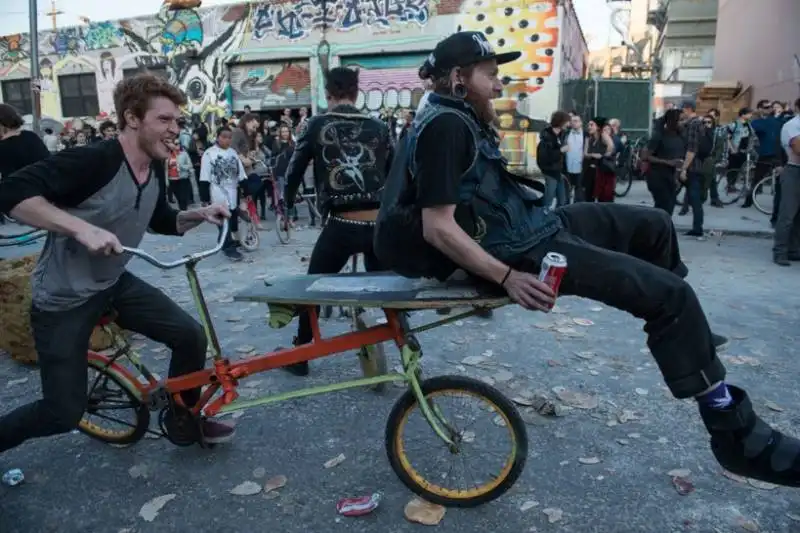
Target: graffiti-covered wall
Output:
[(267, 55)]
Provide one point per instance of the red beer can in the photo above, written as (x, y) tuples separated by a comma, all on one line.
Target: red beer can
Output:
[(554, 266)]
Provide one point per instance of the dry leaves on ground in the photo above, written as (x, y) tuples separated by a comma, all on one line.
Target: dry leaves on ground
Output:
[(275, 483), (682, 485), (553, 514), (422, 512), (336, 461), (150, 510), (246, 488)]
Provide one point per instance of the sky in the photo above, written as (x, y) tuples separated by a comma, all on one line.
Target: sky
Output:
[(593, 14)]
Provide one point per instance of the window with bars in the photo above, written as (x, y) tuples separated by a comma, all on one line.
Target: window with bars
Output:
[(78, 95), (17, 93), (158, 71)]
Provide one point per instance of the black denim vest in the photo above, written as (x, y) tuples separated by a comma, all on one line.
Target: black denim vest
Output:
[(507, 216)]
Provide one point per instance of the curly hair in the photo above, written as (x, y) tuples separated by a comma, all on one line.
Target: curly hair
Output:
[(135, 93)]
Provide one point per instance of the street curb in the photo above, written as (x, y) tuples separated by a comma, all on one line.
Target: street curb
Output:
[(716, 232)]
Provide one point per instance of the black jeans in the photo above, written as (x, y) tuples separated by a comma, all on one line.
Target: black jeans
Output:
[(203, 187), (62, 340), (339, 240), (661, 184), (787, 227), (260, 198), (233, 227), (628, 258), (181, 189), (587, 183), (776, 202), (695, 181), (575, 184)]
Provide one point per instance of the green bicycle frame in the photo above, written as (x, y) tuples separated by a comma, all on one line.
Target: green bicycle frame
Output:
[(410, 362)]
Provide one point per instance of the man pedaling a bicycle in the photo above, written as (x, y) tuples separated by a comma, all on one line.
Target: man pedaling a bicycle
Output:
[(94, 200), (449, 203)]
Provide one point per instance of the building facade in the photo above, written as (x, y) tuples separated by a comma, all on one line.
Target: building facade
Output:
[(271, 56), (688, 50), (758, 45)]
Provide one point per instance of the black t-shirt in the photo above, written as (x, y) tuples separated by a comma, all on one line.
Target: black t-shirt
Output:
[(666, 145), (445, 150), (19, 151)]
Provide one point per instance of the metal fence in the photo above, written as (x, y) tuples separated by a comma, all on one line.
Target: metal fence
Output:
[(626, 100)]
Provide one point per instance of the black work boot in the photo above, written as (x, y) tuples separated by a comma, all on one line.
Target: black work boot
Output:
[(747, 446), (297, 369), (781, 260)]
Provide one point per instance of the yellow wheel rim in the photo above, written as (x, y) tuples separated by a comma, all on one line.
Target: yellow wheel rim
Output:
[(444, 492), (101, 432), (94, 429)]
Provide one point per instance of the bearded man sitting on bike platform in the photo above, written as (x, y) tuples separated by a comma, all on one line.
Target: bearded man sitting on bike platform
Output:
[(94, 200), (450, 204), (352, 153)]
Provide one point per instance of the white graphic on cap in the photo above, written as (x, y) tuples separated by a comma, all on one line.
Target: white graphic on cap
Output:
[(432, 60), (486, 47)]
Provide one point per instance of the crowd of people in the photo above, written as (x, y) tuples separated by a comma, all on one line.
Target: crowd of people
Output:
[(438, 203)]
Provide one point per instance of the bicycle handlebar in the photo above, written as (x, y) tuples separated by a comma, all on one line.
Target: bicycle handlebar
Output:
[(138, 252)]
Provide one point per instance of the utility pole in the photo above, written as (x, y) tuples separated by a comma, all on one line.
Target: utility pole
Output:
[(36, 86)]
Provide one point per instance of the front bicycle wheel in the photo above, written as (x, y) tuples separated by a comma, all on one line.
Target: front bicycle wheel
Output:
[(113, 403), (731, 186), (283, 227), (764, 194), (496, 470), (250, 239)]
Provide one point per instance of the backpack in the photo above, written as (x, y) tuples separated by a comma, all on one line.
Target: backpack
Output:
[(706, 146)]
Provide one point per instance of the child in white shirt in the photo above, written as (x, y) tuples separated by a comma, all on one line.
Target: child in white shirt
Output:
[(221, 167)]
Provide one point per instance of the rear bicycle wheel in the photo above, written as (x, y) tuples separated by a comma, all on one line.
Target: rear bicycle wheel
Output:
[(500, 415), (283, 227), (110, 398), (764, 194), (730, 186)]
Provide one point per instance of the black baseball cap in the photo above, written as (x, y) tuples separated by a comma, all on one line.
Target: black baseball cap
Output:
[(463, 49)]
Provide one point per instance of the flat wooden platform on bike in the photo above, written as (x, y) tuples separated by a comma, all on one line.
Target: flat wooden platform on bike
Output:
[(371, 289)]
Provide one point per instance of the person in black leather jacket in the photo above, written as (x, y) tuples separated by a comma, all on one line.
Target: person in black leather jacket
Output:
[(550, 158), (351, 154)]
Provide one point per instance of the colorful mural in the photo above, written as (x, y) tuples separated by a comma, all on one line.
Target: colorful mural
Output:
[(270, 85), (531, 82), (388, 82), (265, 55)]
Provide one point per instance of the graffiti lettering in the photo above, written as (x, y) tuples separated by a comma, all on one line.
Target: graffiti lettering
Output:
[(263, 23), (297, 21), (293, 23), (102, 35)]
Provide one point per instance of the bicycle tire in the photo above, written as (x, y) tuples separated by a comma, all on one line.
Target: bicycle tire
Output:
[(767, 181), (250, 237), (730, 190), (626, 188), (283, 228), (142, 412), (429, 490)]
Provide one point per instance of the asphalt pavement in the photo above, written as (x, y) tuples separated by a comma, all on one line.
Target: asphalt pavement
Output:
[(606, 468)]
